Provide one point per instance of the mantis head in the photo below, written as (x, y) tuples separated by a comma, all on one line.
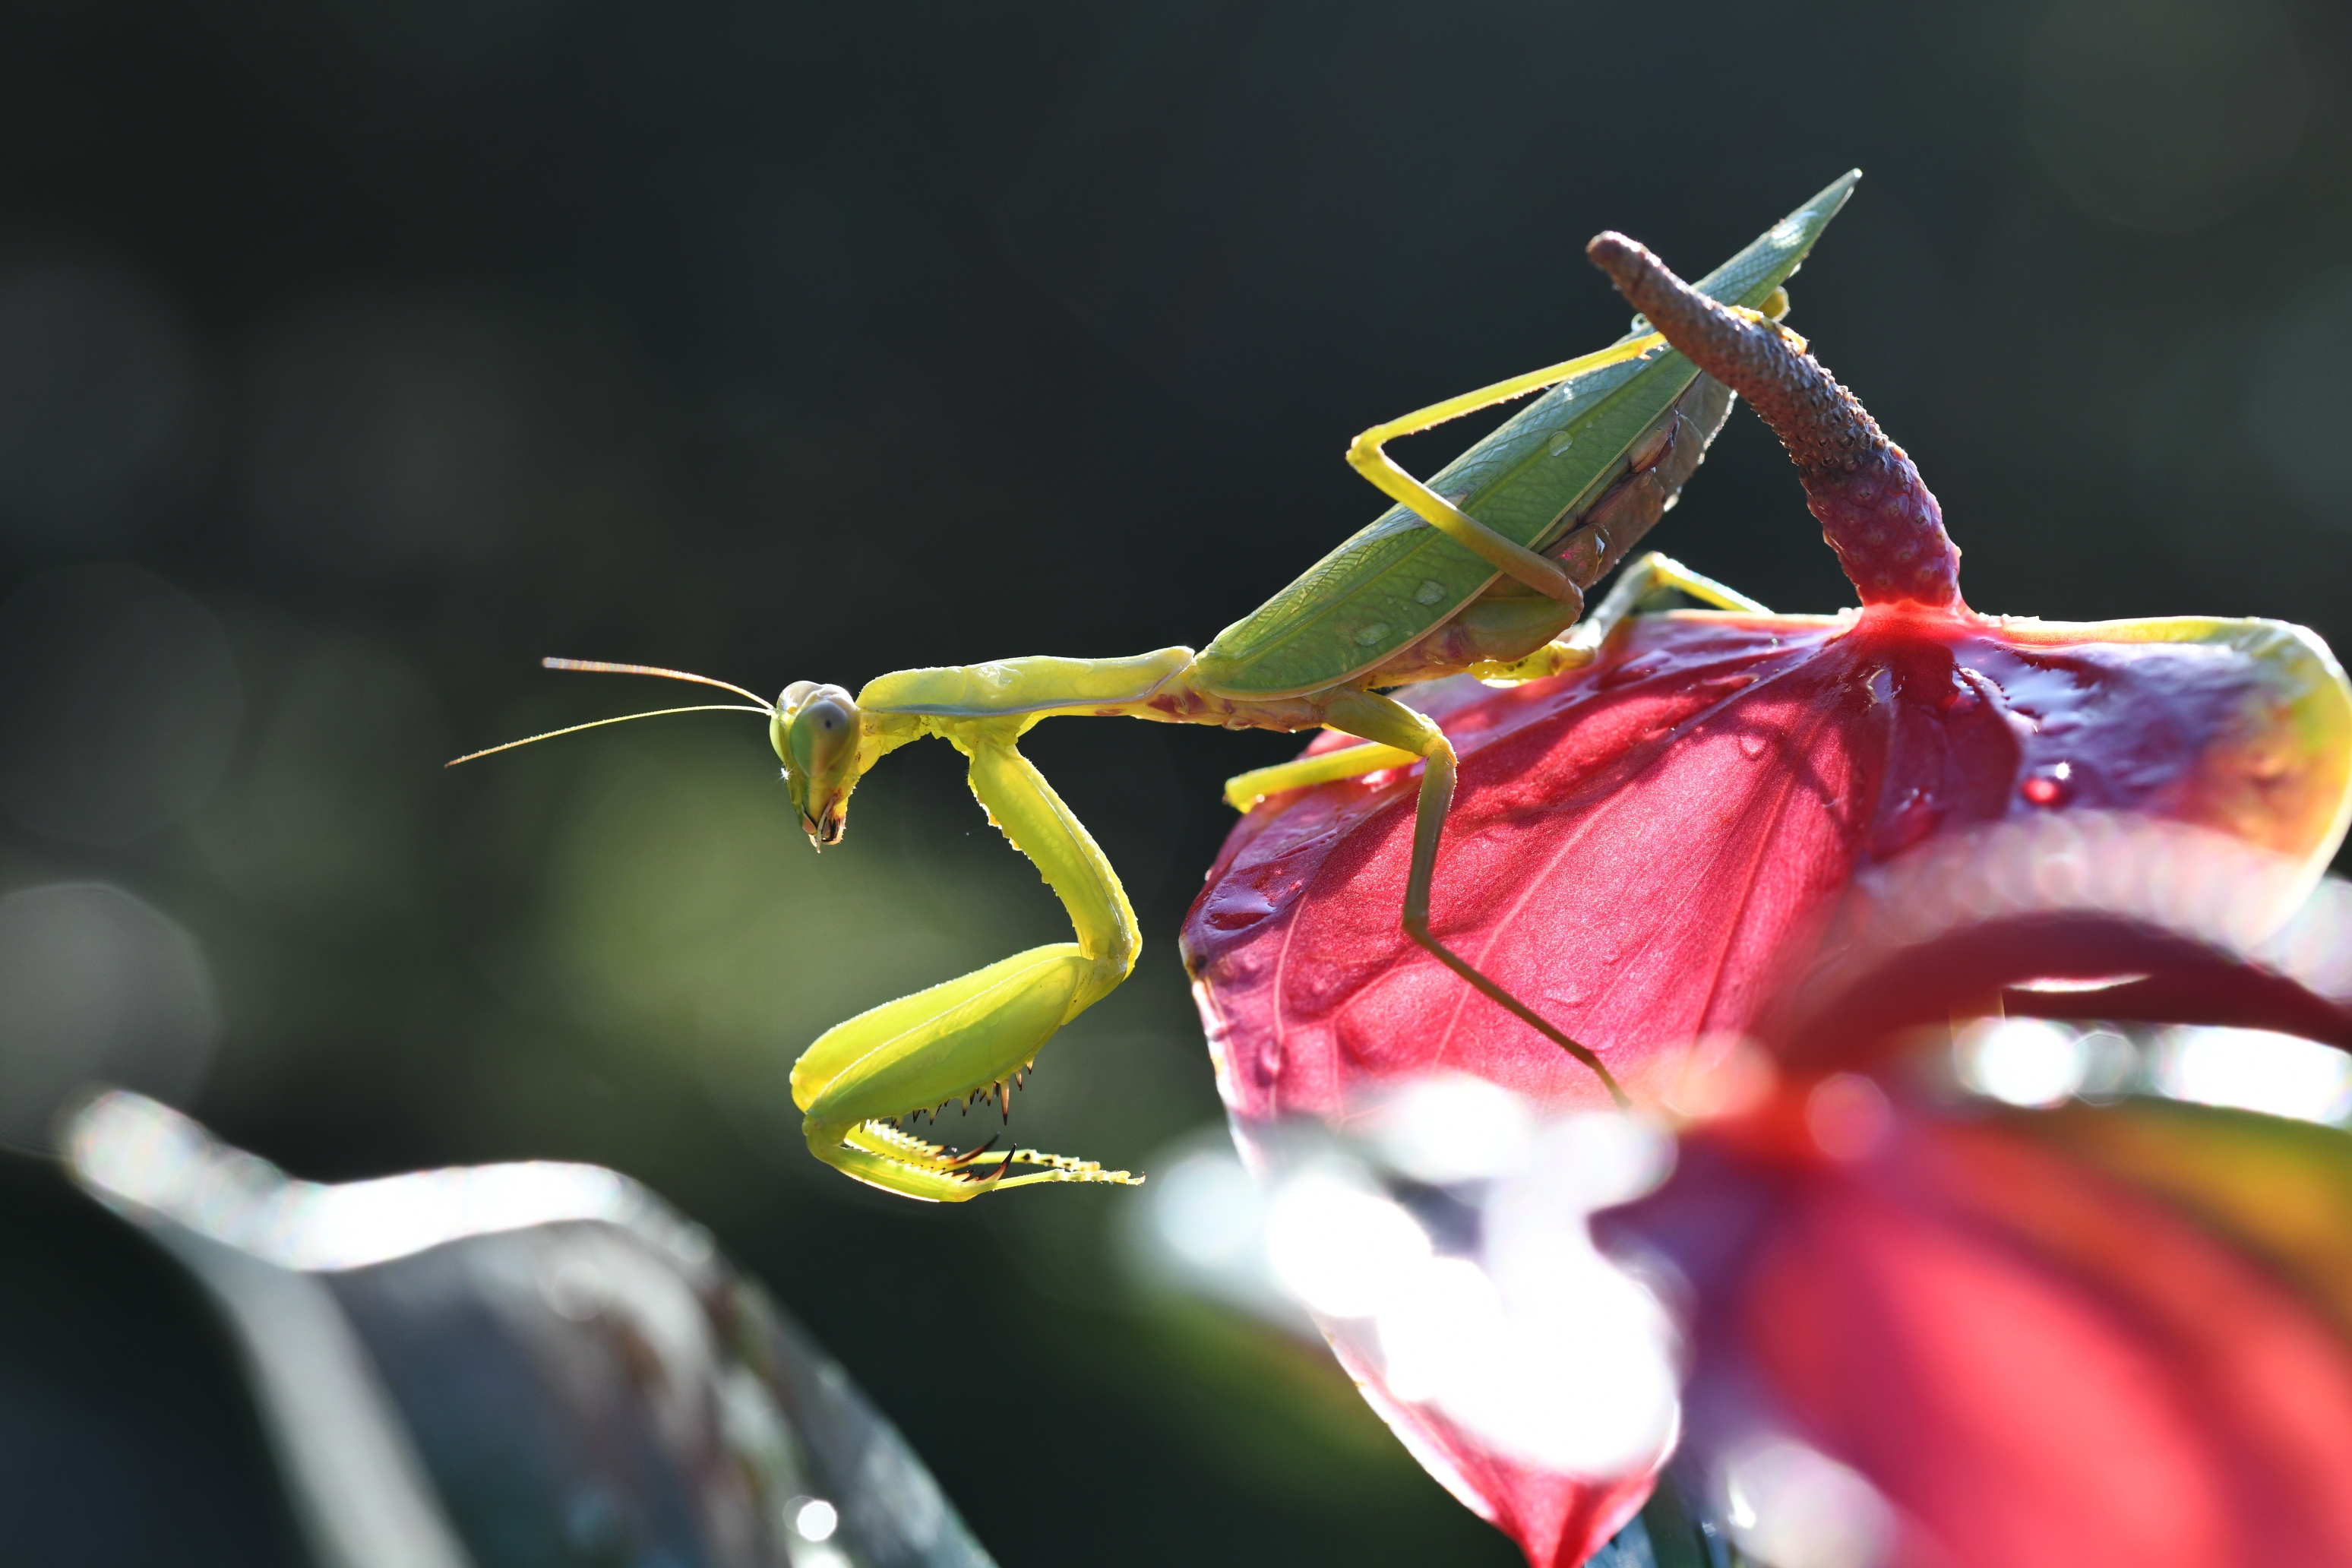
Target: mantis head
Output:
[(818, 734), (816, 729)]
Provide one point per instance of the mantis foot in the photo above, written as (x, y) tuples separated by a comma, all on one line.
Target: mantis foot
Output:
[(884, 1155)]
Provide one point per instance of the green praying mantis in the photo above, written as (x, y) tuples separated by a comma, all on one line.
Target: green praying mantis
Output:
[(1481, 571)]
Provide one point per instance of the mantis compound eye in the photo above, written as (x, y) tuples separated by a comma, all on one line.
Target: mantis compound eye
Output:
[(779, 719), (820, 749), (822, 727)]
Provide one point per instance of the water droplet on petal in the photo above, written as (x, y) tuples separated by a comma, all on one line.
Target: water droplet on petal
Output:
[(2049, 786), (1751, 745), (1429, 592), (1237, 909), (1560, 442), (1632, 670)]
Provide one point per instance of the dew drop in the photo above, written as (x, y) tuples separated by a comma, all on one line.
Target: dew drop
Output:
[(1626, 674), (2050, 786), (1751, 745), (1562, 441), (1237, 909), (1371, 635), (1429, 592)]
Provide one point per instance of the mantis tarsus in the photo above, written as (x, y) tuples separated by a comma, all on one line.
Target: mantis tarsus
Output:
[(1482, 571)]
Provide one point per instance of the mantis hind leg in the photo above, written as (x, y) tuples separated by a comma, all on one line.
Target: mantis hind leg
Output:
[(1368, 456), (1387, 722), (977, 1034)]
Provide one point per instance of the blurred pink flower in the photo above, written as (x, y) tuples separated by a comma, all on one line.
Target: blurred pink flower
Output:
[(2117, 1333)]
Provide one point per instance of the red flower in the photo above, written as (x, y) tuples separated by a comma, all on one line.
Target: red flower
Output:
[(1696, 840)]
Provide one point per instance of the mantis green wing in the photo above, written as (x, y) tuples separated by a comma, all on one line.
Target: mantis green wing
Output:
[(1396, 580)]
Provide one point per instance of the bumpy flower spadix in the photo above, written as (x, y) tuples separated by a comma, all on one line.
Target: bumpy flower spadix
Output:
[(1650, 851)]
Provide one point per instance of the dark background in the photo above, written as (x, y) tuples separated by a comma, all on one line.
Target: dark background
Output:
[(399, 344)]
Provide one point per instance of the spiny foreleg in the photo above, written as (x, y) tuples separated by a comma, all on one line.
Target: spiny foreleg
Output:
[(976, 1034)]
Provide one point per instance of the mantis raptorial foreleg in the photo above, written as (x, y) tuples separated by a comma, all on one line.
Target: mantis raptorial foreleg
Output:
[(1389, 723), (983, 1030)]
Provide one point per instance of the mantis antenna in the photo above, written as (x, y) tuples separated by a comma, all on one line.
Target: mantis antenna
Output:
[(600, 666), (599, 724)]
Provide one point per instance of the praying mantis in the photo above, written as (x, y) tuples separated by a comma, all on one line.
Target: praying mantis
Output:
[(1480, 571)]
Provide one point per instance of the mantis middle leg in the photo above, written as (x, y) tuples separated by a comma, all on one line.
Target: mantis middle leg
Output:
[(1648, 576), (1390, 724), (981, 1031)]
